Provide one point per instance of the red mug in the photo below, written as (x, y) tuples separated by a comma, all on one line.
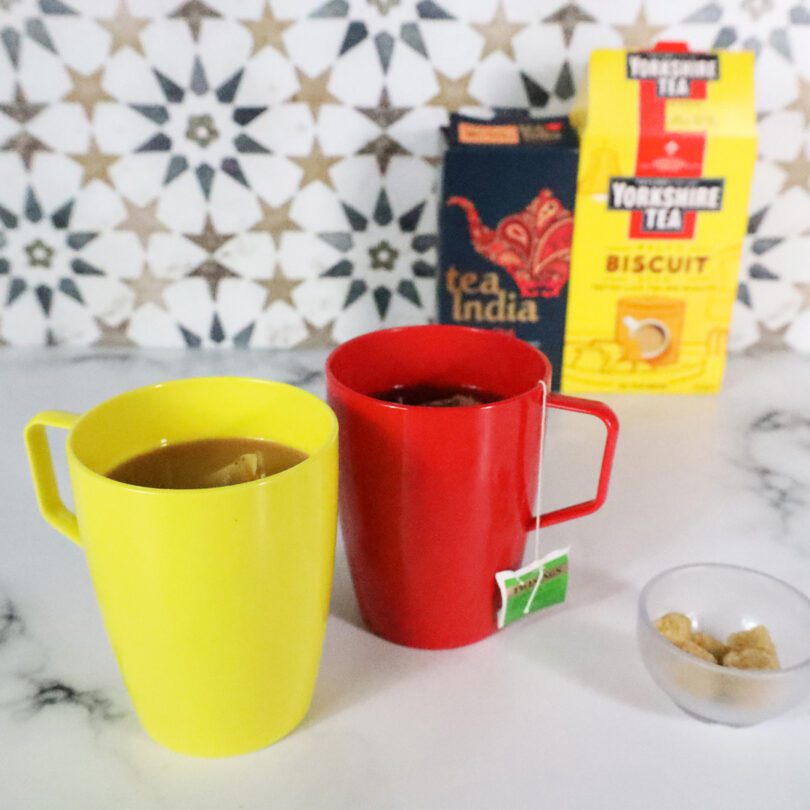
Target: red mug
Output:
[(435, 501)]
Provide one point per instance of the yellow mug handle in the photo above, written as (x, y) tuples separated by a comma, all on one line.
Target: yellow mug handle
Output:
[(39, 457)]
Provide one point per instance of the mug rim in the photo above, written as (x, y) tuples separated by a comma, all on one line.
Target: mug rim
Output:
[(260, 482), (332, 378)]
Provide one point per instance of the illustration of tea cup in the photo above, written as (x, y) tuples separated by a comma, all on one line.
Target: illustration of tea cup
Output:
[(649, 328), (651, 335)]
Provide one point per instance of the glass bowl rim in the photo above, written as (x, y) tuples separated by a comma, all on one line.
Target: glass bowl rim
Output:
[(664, 643)]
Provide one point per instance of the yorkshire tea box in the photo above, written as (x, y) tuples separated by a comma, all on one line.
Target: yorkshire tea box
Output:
[(505, 226), (668, 144)]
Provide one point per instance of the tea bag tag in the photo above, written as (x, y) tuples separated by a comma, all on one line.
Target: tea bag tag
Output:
[(543, 582), (538, 585)]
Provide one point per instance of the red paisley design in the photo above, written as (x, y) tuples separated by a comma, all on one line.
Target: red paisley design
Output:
[(533, 245)]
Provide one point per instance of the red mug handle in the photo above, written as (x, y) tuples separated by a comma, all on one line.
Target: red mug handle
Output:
[(601, 411)]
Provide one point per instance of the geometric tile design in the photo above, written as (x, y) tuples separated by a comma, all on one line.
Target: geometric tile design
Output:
[(263, 172)]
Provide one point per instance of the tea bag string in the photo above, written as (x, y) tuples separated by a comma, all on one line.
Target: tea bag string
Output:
[(540, 472)]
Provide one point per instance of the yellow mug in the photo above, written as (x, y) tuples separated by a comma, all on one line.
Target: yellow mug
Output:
[(215, 600)]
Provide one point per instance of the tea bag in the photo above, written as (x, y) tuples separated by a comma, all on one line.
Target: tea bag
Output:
[(543, 582), (455, 401), (247, 467)]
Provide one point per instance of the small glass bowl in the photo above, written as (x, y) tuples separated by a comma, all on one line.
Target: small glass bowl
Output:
[(720, 600)]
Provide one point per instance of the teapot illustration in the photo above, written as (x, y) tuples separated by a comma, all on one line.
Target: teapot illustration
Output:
[(533, 245)]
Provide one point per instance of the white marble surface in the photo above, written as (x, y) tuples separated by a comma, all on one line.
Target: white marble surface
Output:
[(555, 712)]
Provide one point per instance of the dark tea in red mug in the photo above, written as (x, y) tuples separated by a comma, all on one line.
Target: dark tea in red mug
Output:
[(440, 431)]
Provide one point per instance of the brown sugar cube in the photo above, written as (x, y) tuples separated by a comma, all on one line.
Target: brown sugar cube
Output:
[(690, 647), (751, 658), (675, 626), (757, 638), (711, 644)]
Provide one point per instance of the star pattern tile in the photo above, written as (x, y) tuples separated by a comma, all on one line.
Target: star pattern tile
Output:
[(498, 33), (384, 114), (23, 112), (49, 270), (124, 28), (278, 287), (115, 336), (640, 33), (385, 260), (275, 220), (149, 289), (209, 159), (454, 93), (802, 101), (87, 90), (568, 18), (268, 31), (195, 12), (209, 239), (25, 145), (211, 268), (213, 272), (313, 91), (201, 127), (142, 221), (318, 337), (383, 147), (384, 32), (21, 109), (95, 164), (316, 166), (797, 173)]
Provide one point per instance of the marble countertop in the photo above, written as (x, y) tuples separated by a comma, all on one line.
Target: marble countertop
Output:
[(556, 711)]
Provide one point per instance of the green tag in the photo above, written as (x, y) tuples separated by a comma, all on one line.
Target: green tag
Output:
[(538, 585)]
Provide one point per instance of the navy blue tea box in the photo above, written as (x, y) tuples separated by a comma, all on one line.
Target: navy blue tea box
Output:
[(505, 226)]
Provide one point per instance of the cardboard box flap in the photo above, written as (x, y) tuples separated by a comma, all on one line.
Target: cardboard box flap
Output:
[(509, 127), (677, 90)]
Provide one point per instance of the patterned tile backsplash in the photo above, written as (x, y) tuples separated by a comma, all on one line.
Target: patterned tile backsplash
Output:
[(263, 173)]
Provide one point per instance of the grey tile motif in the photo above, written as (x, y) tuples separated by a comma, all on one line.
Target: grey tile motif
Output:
[(373, 264), (205, 173)]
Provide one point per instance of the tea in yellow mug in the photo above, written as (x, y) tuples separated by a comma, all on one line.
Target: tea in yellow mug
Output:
[(215, 600)]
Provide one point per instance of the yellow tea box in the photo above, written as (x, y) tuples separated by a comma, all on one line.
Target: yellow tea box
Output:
[(667, 150)]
